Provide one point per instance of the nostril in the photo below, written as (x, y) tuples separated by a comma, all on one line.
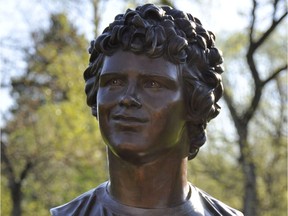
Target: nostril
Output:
[(130, 101)]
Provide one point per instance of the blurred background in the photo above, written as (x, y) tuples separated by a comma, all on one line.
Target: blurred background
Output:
[(51, 149)]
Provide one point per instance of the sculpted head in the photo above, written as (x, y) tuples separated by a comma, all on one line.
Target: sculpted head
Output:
[(164, 34)]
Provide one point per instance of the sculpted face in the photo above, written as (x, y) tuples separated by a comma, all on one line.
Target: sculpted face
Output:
[(140, 106)]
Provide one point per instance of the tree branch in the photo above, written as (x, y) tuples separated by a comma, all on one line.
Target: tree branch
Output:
[(8, 170), (252, 66), (25, 171), (266, 34), (232, 109), (274, 74), (258, 93), (251, 62), (253, 13), (254, 104), (275, 3)]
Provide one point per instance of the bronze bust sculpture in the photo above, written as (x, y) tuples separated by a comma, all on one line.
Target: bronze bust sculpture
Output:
[(153, 82)]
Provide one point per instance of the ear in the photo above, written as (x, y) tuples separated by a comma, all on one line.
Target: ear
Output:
[(94, 111), (197, 138), (193, 153)]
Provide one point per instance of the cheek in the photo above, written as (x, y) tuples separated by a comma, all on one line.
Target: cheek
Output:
[(103, 113), (105, 102), (104, 107), (169, 119)]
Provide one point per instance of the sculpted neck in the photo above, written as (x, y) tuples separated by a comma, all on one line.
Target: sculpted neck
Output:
[(159, 184)]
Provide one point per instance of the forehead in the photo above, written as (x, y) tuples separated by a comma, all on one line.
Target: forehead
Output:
[(125, 61)]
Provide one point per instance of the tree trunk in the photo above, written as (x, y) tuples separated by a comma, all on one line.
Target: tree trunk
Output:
[(96, 18), (250, 196), (16, 195), (250, 199)]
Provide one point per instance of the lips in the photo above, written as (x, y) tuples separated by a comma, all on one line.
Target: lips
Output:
[(129, 118), (128, 123)]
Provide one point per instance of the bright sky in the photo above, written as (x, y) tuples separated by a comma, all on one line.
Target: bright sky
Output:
[(17, 18), (217, 15)]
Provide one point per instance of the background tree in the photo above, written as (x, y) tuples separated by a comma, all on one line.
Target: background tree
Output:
[(50, 136), (243, 113), (256, 98), (51, 150), (48, 119)]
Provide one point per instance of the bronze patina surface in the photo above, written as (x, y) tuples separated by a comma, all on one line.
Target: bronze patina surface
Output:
[(153, 82)]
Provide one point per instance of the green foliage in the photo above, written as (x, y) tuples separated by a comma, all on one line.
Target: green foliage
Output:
[(266, 130), (216, 169), (52, 127), (6, 202)]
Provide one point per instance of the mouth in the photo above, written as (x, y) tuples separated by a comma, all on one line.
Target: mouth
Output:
[(129, 119)]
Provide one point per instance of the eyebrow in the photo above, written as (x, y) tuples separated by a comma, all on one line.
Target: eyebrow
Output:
[(171, 83), (142, 74), (166, 80), (158, 76), (110, 74)]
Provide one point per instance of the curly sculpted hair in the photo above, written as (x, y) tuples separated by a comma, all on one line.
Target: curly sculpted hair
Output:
[(179, 38)]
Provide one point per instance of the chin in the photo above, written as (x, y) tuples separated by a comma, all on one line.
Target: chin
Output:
[(132, 154), (137, 154)]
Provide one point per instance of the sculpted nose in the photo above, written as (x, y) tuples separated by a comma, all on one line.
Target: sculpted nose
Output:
[(130, 101), (130, 97)]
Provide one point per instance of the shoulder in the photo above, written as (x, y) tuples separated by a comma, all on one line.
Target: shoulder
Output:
[(215, 206), (80, 204)]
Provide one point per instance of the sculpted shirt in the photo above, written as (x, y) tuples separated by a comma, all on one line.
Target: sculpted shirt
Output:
[(98, 202)]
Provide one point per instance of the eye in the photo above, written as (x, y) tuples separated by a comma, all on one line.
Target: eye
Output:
[(152, 84), (114, 82)]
